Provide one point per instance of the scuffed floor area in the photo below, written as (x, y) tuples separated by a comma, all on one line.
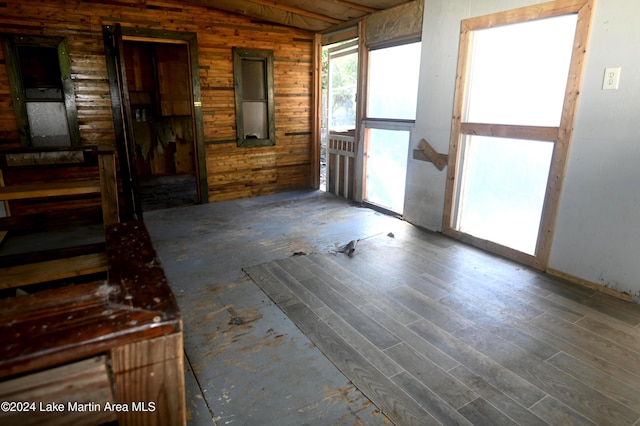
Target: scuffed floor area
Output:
[(247, 363)]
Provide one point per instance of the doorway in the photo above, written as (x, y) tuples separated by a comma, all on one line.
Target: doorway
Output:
[(155, 94), (338, 130), (158, 81), (393, 74)]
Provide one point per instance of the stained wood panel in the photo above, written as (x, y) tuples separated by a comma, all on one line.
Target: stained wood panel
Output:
[(85, 383), (284, 166)]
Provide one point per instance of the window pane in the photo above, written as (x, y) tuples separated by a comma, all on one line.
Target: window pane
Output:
[(393, 82), (343, 78), (387, 167), (253, 79), (502, 190), (48, 124), (255, 120), (519, 72)]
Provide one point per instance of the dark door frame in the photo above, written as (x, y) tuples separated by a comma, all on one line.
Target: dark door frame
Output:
[(113, 35)]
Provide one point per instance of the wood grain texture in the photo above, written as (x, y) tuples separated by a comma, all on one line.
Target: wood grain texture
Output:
[(151, 371), (231, 172), (471, 338), (85, 383), (50, 270)]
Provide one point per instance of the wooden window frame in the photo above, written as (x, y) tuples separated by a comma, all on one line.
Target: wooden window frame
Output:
[(11, 44), (561, 135), (267, 56)]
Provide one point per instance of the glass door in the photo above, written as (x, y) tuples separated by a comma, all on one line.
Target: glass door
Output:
[(391, 112)]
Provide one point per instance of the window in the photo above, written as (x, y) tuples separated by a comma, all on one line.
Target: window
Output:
[(42, 91), (255, 112), (393, 82), (519, 75)]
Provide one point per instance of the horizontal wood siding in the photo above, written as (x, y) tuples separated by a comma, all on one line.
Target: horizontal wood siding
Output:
[(232, 172)]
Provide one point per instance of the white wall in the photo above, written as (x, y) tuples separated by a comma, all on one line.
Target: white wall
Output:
[(597, 234)]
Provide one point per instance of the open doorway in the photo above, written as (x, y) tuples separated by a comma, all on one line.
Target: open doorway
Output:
[(158, 80), (338, 128)]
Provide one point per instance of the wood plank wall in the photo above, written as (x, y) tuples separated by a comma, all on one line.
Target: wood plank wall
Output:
[(232, 172)]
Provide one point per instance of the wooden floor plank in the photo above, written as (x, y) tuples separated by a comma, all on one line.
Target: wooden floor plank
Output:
[(519, 292), (428, 309), (492, 372), (578, 336), (295, 287), (371, 279), (386, 317), (556, 413), (378, 358), (495, 397), (628, 337), (365, 325), (431, 402), (271, 285), (496, 301), (338, 283), (402, 409), (499, 327), (447, 387), (480, 412), (582, 353), (622, 392), (564, 387)]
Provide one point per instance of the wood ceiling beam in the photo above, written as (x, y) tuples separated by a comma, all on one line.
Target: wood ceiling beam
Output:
[(297, 11)]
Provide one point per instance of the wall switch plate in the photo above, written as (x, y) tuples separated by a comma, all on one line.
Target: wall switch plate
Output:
[(611, 78)]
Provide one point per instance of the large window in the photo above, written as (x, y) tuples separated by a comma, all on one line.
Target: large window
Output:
[(42, 90), (255, 111), (518, 78)]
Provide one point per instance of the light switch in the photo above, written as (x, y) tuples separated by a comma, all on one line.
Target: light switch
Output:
[(611, 78)]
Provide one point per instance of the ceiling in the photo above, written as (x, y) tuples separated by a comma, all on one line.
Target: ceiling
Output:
[(312, 15)]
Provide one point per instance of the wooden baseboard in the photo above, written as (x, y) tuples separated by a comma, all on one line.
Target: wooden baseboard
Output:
[(599, 287)]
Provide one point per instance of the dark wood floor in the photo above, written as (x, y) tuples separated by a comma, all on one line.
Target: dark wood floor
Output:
[(435, 332)]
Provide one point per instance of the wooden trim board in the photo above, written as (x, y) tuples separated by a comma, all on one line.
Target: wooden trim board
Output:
[(589, 284)]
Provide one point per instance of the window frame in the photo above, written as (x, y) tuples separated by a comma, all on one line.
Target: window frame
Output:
[(11, 43), (240, 54), (561, 134)]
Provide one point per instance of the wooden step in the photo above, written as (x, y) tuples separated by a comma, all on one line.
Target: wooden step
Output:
[(33, 273), (21, 192)]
